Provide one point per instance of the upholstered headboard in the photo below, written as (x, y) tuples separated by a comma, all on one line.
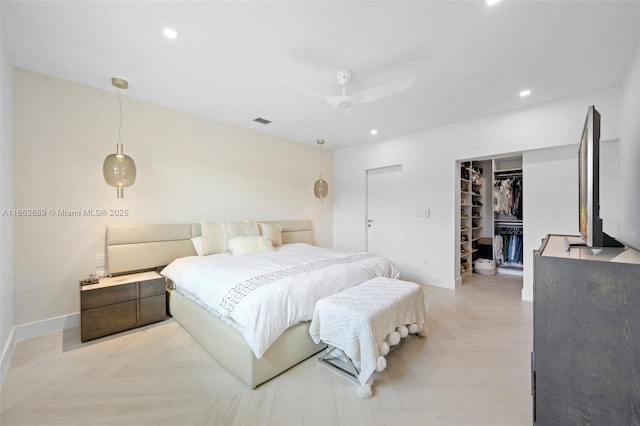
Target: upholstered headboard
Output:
[(143, 247)]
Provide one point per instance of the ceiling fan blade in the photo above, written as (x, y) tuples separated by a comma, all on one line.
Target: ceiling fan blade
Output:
[(384, 90), (303, 89), (341, 101)]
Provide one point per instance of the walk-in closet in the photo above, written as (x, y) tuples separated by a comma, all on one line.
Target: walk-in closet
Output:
[(507, 213), (490, 221)]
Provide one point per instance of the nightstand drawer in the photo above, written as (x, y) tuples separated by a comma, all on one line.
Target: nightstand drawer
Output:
[(152, 287), (109, 319), (108, 295), (152, 309), (120, 303)]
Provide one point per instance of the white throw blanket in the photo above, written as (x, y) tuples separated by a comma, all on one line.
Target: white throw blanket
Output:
[(264, 294), (360, 319)]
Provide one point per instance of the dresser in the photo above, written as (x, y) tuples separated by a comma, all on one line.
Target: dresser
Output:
[(121, 303), (586, 335)]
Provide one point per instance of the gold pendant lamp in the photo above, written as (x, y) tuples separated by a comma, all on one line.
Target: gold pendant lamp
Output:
[(119, 170), (320, 188)]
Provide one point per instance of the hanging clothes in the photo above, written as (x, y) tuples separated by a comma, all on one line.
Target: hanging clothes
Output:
[(507, 195), (509, 245)]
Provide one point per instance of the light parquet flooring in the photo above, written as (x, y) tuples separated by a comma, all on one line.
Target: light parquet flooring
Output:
[(473, 369)]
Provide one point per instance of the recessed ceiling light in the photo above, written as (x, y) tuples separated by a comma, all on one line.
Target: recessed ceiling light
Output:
[(169, 33), (374, 132), (525, 93), (492, 2)]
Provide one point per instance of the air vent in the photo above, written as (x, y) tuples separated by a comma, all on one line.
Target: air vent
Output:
[(262, 120)]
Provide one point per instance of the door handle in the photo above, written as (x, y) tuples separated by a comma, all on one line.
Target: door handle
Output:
[(369, 220)]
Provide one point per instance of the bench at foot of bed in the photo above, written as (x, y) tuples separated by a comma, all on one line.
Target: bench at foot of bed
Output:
[(362, 323)]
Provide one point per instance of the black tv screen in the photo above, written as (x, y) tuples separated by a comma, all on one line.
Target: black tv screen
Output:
[(590, 223), (589, 180)]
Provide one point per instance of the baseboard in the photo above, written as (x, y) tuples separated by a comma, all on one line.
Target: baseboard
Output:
[(50, 325), (35, 329), (510, 271), (7, 352), (429, 280)]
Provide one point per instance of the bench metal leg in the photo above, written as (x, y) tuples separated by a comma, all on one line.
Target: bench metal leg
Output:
[(346, 369)]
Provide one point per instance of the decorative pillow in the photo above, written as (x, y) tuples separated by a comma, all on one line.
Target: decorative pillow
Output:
[(213, 237), (271, 232), (197, 244), (241, 229), (240, 246)]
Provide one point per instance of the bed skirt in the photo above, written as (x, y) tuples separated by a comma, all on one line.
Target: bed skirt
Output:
[(230, 349)]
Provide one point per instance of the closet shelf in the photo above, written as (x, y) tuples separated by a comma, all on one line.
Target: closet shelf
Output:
[(471, 188), (513, 170)]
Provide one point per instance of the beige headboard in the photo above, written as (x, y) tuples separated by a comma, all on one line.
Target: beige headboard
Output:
[(143, 247)]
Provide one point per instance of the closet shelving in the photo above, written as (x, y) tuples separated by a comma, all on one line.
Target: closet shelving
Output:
[(471, 224), (507, 212)]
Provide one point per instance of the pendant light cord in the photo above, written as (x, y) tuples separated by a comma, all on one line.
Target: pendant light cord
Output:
[(120, 126)]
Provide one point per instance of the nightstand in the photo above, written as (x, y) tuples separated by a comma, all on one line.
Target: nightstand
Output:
[(120, 303)]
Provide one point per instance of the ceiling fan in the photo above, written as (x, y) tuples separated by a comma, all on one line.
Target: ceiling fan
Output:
[(344, 100)]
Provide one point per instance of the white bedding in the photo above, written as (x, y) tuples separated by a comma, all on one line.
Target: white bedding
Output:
[(266, 293)]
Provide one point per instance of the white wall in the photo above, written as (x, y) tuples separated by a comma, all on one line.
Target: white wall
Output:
[(554, 210), (189, 169), (6, 202), (629, 155), (428, 159)]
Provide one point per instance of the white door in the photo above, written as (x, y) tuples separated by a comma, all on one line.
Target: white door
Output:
[(384, 212)]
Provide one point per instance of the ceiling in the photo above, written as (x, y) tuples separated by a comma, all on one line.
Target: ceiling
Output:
[(468, 59)]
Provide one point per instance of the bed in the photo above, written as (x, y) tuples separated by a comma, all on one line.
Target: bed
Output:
[(143, 247)]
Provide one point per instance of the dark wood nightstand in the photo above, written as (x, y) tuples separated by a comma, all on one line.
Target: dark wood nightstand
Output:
[(121, 303)]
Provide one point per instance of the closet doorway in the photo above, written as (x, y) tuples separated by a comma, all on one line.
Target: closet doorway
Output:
[(490, 223), (384, 212)]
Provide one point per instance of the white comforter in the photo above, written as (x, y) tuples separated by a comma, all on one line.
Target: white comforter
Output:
[(264, 294)]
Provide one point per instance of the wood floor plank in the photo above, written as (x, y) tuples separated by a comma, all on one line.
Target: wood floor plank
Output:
[(472, 369)]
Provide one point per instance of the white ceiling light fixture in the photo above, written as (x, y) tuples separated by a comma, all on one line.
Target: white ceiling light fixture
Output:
[(119, 170), (524, 93), (374, 132), (493, 2), (170, 33), (344, 100)]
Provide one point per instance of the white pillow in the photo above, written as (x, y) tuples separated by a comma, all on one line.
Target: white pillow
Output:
[(240, 246), (197, 244), (272, 232), (213, 237), (240, 229)]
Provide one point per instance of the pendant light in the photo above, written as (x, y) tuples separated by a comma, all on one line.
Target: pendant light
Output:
[(119, 170), (320, 188)]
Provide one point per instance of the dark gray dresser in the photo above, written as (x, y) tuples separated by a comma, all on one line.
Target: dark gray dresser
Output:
[(586, 335)]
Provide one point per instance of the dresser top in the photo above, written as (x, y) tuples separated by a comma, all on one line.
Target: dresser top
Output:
[(559, 246), (122, 279)]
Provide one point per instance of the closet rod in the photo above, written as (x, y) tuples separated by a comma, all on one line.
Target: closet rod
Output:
[(499, 175), (499, 224)]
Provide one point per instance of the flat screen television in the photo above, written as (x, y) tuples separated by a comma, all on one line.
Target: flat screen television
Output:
[(590, 223)]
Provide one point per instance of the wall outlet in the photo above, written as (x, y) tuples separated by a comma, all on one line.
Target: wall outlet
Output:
[(99, 260)]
